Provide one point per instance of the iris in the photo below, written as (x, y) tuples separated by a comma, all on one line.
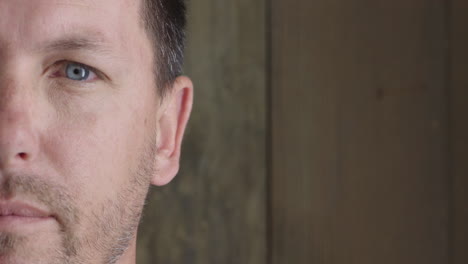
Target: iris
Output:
[(77, 72)]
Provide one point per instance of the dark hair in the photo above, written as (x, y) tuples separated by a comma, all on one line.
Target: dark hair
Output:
[(164, 21)]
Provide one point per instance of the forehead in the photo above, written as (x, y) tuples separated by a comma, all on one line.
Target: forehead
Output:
[(25, 23)]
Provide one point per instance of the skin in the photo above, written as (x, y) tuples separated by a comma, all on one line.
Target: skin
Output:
[(85, 152)]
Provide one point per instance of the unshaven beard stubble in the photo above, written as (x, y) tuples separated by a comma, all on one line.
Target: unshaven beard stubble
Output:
[(109, 230)]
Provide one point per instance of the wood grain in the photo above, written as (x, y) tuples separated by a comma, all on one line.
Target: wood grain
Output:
[(459, 128), (360, 132), (214, 212)]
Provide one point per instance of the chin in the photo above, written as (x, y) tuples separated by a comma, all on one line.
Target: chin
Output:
[(32, 249)]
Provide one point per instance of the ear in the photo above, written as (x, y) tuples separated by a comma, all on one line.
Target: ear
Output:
[(172, 120)]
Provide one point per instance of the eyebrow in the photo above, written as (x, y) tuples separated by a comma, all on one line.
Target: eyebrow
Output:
[(74, 43)]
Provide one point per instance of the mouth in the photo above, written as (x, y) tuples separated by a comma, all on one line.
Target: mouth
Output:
[(15, 215)]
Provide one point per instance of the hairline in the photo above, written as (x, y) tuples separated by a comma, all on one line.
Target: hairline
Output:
[(162, 86)]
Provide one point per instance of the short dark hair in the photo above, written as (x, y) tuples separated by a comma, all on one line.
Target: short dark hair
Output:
[(165, 21)]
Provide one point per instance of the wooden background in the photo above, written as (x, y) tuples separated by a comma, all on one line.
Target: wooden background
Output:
[(328, 132)]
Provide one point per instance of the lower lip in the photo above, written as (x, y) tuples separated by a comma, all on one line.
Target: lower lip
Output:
[(13, 222)]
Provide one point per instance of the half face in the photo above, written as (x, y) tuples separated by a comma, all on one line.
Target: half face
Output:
[(78, 129)]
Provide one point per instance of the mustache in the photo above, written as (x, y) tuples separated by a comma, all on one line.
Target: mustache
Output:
[(47, 193)]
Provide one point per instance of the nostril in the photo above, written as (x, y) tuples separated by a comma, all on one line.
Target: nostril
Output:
[(23, 155)]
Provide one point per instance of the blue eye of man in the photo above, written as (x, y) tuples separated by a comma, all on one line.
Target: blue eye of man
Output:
[(77, 72)]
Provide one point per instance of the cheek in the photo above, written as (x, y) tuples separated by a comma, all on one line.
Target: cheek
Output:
[(94, 147)]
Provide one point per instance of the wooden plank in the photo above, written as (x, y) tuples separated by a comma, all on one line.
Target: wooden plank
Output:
[(360, 140), (459, 128), (303, 134), (214, 212)]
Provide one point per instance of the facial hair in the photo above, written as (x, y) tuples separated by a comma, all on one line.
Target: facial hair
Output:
[(56, 199), (108, 231)]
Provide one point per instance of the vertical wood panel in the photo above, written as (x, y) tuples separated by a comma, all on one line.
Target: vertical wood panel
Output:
[(304, 110), (360, 140), (214, 211), (459, 128)]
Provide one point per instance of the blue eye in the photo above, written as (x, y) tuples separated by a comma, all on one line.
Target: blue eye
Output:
[(77, 72)]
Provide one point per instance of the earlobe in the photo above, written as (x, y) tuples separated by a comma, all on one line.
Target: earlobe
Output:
[(171, 127)]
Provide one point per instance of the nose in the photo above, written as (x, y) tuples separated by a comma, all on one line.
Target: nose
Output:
[(18, 139)]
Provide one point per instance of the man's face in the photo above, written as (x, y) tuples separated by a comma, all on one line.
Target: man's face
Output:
[(78, 129)]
